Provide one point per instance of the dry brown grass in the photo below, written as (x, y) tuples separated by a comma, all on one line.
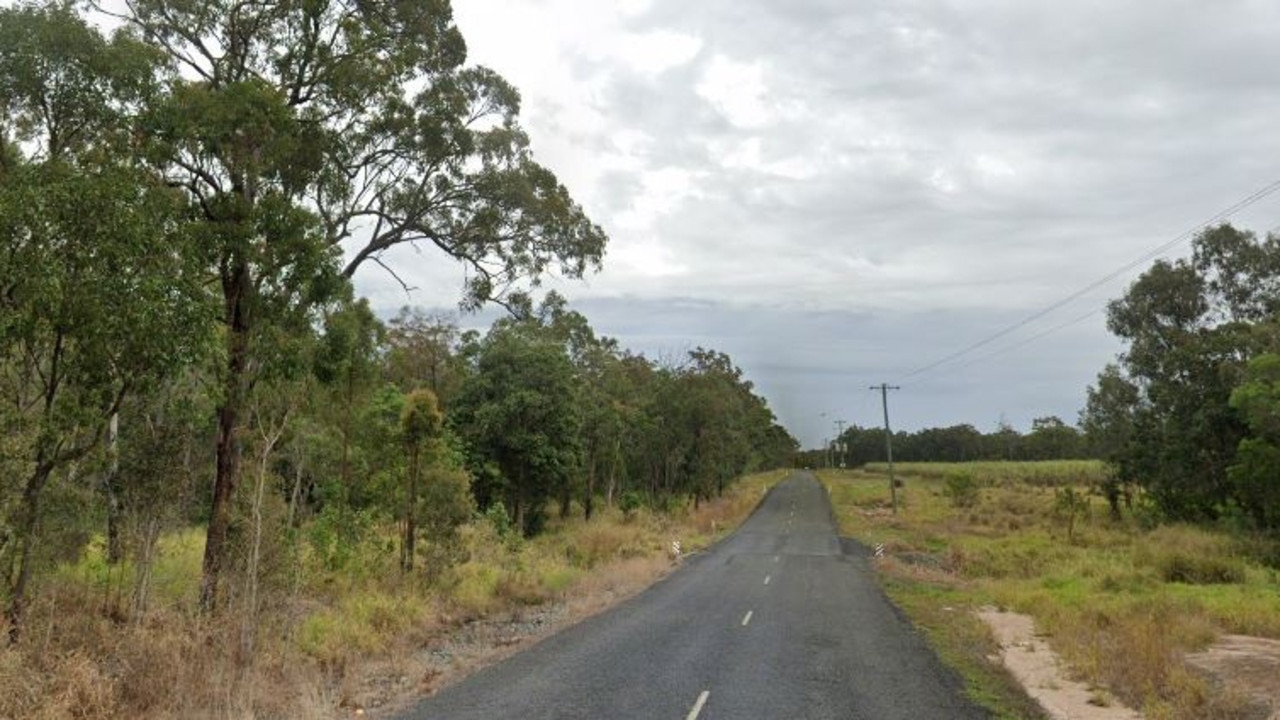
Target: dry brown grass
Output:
[(338, 641)]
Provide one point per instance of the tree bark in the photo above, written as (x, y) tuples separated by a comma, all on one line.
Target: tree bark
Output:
[(410, 513), (588, 500), (236, 286), (110, 487), (15, 613)]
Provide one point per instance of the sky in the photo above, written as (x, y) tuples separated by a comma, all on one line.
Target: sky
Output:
[(838, 194)]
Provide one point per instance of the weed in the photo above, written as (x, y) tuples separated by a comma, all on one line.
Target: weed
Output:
[(962, 489)]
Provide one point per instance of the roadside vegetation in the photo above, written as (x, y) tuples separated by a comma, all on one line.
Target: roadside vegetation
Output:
[(1121, 600), (224, 479), (336, 630)]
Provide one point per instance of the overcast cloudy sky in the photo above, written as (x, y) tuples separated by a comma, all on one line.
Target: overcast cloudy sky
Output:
[(838, 193)]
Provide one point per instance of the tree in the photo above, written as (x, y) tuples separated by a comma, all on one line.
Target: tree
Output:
[(299, 128), (1255, 474), (345, 363), (1108, 420), (420, 424), (421, 353), (115, 303), (518, 410), (1052, 439), (1190, 326)]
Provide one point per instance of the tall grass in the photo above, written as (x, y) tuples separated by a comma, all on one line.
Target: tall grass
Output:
[(1000, 473), (1122, 604)]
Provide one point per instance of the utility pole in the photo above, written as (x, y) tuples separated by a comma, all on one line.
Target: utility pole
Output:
[(884, 389), (840, 444)]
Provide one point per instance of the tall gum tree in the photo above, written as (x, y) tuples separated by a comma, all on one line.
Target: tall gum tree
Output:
[(307, 131), (99, 292)]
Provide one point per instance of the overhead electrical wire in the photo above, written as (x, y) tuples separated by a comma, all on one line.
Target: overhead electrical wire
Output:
[(1248, 200)]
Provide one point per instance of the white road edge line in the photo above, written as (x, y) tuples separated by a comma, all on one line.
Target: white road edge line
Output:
[(697, 707), (767, 578), (747, 618)]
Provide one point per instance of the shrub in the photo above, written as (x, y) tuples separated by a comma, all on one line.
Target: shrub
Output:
[(1070, 506), (962, 489), (629, 503), (1184, 554)]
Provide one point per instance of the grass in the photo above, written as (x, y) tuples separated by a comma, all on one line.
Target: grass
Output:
[(320, 629), (999, 472), (1120, 603)]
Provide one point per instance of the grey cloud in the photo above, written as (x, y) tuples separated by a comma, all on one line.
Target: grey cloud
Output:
[(1123, 123)]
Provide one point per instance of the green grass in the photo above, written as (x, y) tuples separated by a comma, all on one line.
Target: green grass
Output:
[(1000, 472), (1120, 603)]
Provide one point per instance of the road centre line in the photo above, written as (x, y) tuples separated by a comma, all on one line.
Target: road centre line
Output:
[(747, 618), (697, 707)]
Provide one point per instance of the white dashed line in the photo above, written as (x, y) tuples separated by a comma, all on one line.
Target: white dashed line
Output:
[(767, 578), (697, 707), (747, 618), (776, 558)]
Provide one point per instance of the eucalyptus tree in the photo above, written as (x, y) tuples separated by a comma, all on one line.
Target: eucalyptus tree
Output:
[(99, 289), (420, 424), (346, 363), (315, 136), (1190, 325)]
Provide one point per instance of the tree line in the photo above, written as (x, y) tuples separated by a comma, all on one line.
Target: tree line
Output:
[(184, 202), (1049, 439)]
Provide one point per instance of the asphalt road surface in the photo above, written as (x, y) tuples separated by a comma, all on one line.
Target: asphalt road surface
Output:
[(774, 622)]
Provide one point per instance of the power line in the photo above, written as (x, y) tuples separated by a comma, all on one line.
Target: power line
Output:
[(1027, 341), (1146, 257)]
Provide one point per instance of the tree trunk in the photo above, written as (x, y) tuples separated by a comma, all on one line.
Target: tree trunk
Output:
[(410, 514), (517, 505), (613, 473), (588, 500), (28, 525), (346, 439), (566, 501), (146, 555), (236, 285), (110, 487)]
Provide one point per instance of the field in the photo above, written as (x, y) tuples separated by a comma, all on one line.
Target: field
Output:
[(1121, 602), (328, 640)]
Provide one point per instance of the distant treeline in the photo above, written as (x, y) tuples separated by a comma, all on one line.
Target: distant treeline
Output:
[(1049, 439)]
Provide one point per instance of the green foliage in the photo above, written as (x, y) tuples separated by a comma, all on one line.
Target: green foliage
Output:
[(446, 504), (518, 409), (339, 537), (497, 518), (420, 420), (630, 503), (101, 290), (1168, 417), (1070, 506), (1049, 439), (962, 489), (1255, 476)]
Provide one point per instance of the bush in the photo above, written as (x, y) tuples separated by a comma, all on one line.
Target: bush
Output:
[(1184, 554), (962, 489), (629, 503)]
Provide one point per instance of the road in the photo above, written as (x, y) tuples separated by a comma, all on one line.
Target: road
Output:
[(773, 622)]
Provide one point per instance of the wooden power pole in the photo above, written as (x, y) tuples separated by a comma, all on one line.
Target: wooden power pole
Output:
[(884, 389)]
